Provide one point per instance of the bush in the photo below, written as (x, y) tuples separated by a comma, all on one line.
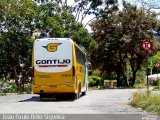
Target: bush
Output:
[(28, 88), (4, 85), (158, 84), (154, 108), (140, 77), (143, 104), (136, 98), (147, 101), (8, 86), (14, 88), (94, 80)]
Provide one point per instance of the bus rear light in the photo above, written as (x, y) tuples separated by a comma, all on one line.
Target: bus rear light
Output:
[(32, 76), (32, 71), (74, 71)]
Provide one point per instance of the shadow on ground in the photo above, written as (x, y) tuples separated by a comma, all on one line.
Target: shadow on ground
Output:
[(53, 99)]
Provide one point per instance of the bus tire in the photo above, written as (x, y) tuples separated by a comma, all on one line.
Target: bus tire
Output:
[(79, 91), (77, 95), (83, 93), (42, 96)]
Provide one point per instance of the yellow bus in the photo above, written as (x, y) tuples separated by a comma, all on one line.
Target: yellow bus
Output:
[(59, 66)]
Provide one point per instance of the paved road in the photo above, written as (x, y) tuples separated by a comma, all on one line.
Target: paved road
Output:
[(113, 102)]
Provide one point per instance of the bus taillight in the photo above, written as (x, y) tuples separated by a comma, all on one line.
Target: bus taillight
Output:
[(74, 71), (32, 72)]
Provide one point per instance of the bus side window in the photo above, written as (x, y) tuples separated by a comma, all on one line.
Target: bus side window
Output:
[(80, 56)]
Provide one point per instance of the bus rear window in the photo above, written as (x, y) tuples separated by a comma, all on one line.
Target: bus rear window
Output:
[(52, 56)]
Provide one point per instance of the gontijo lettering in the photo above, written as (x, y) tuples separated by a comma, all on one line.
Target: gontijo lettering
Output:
[(54, 61)]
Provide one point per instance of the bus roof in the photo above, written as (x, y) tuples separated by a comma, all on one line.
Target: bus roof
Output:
[(41, 39)]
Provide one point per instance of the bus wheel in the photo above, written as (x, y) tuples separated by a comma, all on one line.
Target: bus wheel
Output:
[(77, 95), (42, 96), (83, 93), (79, 91)]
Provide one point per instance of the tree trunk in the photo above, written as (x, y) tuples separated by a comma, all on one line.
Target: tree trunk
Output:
[(125, 79), (133, 78)]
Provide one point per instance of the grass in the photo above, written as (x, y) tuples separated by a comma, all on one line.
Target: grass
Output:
[(139, 85), (158, 84), (150, 102)]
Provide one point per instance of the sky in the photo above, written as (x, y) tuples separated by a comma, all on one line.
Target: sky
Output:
[(89, 17)]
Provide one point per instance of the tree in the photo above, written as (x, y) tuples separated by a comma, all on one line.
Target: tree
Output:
[(137, 24), (18, 19), (154, 60), (16, 28), (60, 23), (15, 54), (119, 38), (17, 15), (82, 8)]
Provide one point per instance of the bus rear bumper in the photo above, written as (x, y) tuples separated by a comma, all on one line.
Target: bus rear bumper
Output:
[(53, 89)]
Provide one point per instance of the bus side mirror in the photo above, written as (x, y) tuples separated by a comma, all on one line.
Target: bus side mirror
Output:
[(89, 66)]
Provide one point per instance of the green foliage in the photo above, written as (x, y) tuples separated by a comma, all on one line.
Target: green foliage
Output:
[(94, 81), (119, 38), (18, 19), (158, 84), (82, 8), (60, 23), (27, 88), (96, 72), (143, 105), (140, 78), (13, 89), (137, 97), (15, 50), (154, 59), (150, 103), (91, 81), (111, 76), (4, 84), (139, 85), (154, 109), (15, 40), (17, 15), (9, 86)]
